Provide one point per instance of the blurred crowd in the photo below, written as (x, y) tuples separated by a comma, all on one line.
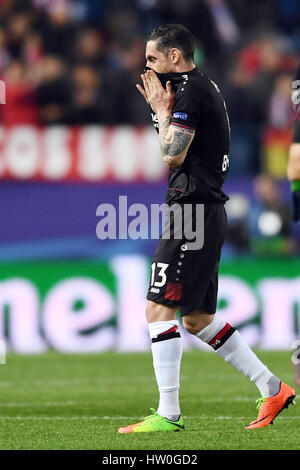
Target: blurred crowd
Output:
[(77, 62), (260, 223)]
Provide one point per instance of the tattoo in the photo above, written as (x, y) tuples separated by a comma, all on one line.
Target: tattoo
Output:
[(164, 125), (173, 141)]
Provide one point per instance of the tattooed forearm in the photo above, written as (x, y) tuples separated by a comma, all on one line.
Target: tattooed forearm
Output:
[(164, 125), (174, 142)]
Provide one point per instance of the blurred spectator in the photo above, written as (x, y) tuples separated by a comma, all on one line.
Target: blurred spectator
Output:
[(263, 82), (33, 48), (288, 15), (91, 101), (255, 15), (280, 103), (196, 15), (244, 154), (224, 21), (57, 28), (21, 106), (131, 60), (90, 48), (91, 11), (85, 107), (269, 198), (238, 235), (52, 91), (4, 55), (270, 221), (17, 28)]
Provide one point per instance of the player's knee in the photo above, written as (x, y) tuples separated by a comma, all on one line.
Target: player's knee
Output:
[(195, 323), (190, 325)]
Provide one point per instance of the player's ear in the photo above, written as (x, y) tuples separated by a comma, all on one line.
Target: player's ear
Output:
[(175, 55)]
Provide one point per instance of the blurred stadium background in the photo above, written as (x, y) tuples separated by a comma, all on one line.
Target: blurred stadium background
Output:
[(75, 133)]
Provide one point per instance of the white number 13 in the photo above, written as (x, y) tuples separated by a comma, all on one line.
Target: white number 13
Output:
[(163, 267)]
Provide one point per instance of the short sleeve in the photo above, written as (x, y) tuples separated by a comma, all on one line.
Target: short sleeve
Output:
[(296, 106), (296, 132), (186, 110), (297, 75)]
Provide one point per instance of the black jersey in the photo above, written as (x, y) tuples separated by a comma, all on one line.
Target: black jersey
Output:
[(296, 106), (199, 105)]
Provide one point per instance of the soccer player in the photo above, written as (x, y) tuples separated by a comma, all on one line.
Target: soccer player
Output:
[(293, 167), (293, 174), (193, 131)]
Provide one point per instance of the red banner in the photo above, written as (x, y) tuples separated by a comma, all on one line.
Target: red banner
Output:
[(92, 153)]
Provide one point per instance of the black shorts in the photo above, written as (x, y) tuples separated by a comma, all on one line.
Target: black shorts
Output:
[(189, 278)]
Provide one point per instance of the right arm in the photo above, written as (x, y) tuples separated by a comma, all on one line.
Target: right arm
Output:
[(174, 142)]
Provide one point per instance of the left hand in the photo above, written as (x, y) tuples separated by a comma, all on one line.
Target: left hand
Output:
[(160, 99)]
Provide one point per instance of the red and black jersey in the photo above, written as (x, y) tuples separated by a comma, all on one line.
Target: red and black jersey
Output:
[(199, 105), (296, 106)]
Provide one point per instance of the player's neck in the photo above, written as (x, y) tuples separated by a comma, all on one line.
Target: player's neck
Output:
[(184, 67)]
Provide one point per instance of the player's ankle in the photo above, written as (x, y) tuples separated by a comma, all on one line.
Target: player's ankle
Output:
[(268, 384)]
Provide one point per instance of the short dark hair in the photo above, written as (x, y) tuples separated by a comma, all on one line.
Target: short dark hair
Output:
[(174, 35)]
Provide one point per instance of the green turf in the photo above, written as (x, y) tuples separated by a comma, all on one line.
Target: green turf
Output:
[(55, 401)]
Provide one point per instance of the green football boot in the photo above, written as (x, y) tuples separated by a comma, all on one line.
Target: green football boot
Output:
[(154, 423)]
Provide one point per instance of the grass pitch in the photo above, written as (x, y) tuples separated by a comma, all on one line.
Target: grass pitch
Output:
[(54, 401)]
